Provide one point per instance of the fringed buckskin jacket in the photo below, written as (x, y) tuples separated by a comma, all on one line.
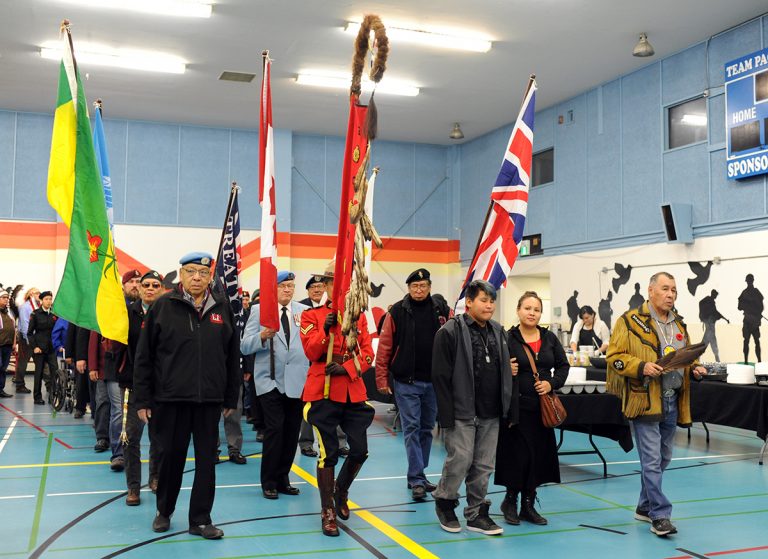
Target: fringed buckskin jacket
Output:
[(634, 342)]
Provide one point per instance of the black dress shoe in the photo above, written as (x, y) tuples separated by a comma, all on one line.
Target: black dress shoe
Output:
[(288, 490), (309, 451), (208, 531), (79, 414), (419, 493), (101, 445), (344, 451), (429, 487), (237, 458), (23, 390), (4, 394), (270, 493), (40, 402), (161, 523)]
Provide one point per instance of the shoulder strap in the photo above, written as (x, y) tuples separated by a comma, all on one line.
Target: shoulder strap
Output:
[(532, 362)]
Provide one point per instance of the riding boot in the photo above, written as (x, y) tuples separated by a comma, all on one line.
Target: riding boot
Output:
[(528, 512), (327, 512), (509, 508), (347, 475)]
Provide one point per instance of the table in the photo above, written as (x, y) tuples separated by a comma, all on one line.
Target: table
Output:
[(595, 415), (744, 406)]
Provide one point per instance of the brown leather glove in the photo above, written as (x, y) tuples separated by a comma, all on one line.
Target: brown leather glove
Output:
[(334, 369)]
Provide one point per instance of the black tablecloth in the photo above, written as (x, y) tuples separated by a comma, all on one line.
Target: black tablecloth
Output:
[(599, 414), (595, 374), (733, 405)]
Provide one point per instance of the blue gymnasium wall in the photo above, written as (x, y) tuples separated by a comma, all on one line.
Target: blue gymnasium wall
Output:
[(176, 175), (612, 171)]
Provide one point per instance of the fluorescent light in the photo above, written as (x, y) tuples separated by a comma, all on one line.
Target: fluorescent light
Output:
[(341, 81), (694, 120), (437, 38), (149, 61), (181, 8)]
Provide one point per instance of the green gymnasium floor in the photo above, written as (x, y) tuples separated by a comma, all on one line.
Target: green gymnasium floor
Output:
[(59, 499)]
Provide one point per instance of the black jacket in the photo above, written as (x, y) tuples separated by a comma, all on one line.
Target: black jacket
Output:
[(453, 373), (185, 357), (40, 329), (135, 319), (76, 345), (397, 342), (551, 356)]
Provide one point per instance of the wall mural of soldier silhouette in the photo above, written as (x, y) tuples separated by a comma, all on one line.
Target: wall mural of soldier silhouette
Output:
[(708, 314), (604, 310), (637, 298), (572, 308), (751, 304)]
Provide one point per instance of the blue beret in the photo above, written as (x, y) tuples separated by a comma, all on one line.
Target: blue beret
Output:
[(202, 258), (284, 276)]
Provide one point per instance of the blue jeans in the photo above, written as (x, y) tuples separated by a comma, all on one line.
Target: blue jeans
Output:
[(417, 405), (114, 395), (5, 358), (654, 446)]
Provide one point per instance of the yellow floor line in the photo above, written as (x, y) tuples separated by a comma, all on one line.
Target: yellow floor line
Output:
[(98, 463), (391, 532)]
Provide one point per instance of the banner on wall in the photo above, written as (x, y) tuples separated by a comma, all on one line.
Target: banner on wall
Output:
[(746, 115)]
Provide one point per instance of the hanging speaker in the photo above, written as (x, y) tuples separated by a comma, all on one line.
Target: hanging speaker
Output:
[(678, 222)]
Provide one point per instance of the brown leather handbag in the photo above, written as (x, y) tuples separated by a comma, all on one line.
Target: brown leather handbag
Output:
[(552, 410)]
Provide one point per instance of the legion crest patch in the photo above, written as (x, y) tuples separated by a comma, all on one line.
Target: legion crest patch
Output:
[(618, 365)]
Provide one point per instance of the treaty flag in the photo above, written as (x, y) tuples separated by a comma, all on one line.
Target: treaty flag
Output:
[(90, 293), (502, 232), (228, 260)]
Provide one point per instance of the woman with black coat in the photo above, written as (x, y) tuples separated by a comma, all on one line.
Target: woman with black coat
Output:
[(527, 453)]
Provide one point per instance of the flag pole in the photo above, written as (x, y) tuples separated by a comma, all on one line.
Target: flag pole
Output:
[(531, 79)]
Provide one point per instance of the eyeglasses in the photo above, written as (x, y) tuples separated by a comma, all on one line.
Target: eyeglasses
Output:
[(419, 286), (150, 285), (287, 286), (204, 273)]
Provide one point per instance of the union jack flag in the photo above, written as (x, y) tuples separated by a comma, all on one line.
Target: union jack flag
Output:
[(503, 230)]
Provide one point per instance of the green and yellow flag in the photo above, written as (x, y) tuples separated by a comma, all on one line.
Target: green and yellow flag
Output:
[(90, 294)]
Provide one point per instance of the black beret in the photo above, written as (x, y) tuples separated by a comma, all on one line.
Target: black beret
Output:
[(152, 274), (418, 275), (45, 294), (313, 279)]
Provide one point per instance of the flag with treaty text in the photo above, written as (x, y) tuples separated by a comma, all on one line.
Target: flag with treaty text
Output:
[(502, 232), (268, 314), (102, 159), (228, 260), (90, 294)]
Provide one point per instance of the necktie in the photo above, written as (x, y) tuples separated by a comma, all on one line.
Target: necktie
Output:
[(286, 327)]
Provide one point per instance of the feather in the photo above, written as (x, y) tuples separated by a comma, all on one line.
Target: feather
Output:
[(682, 358)]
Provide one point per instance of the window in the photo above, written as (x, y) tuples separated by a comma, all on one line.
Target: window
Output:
[(687, 123), (543, 167)]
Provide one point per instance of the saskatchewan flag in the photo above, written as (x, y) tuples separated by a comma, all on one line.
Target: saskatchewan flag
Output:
[(90, 293)]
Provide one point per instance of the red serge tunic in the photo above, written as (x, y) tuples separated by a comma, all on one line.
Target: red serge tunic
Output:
[(344, 388)]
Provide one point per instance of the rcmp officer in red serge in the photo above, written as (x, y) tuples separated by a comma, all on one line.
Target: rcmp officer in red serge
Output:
[(187, 367), (344, 404)]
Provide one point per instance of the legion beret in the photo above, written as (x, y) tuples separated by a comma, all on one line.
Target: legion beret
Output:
[(129, 275), (246, 294), (418, 275), (314, 279), (152, 274), (285, 275), (45, 294), (202, 258)]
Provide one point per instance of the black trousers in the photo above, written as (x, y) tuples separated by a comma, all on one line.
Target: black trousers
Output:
[(40, 360), (83, 390), (282, 421), (22, 358), (134, 428), (353, 418), (174, 424)]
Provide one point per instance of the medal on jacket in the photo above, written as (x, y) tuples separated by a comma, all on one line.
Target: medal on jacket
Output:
[(667, 342), (667, 350)]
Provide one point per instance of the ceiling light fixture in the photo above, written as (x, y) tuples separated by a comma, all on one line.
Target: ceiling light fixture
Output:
[(180, 8), (149, 61), (643, 48), (694, 120), (447, 40), (340, 81), (456, 133)]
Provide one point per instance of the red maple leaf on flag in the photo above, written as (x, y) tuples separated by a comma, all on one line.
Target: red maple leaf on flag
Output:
[(94, 242)]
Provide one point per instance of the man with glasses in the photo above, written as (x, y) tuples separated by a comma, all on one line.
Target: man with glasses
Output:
[(150, 288), (187, 368), (279, 372), (405, 351)]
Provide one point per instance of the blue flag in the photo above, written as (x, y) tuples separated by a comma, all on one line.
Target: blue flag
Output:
[(100, 147), (228, 260)]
